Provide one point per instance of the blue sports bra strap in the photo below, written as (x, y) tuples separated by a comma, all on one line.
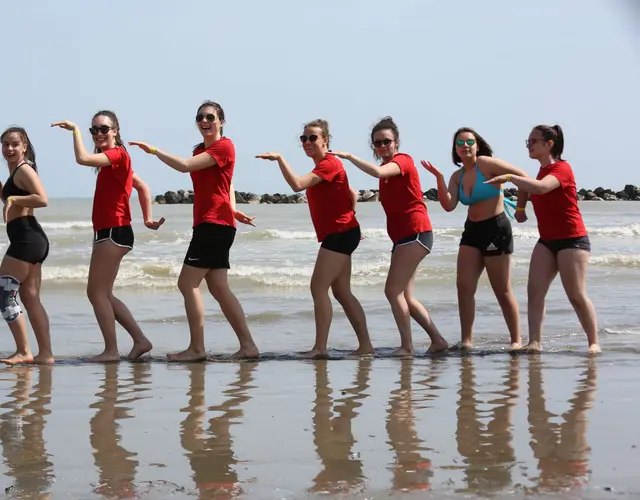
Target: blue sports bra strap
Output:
[(508, 204)]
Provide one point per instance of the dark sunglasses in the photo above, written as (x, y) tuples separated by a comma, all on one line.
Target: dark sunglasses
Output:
[(468, 142), (210, 117), (103, 129), (310, 138), (531, 142), (383, 142)]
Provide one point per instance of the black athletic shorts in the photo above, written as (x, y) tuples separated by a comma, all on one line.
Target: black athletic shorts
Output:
[(210, 246), (491, 236), (581, 243), (121, 236), (27, 240), (425, 239), (345, 242)]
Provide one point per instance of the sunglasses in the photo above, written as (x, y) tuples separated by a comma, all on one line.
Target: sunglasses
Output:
[(310, 138), (468, 142), (210, 117), (530, 142), (383, 142), (102, 129)]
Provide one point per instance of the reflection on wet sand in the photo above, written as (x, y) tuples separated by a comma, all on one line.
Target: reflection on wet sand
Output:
[(333, 436), (210, 453), (561, 449), (21, 432), (116, 466), (484, 437), (487, 460), (410, 469)]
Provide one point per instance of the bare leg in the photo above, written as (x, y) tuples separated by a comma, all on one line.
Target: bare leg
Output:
[(189, 285), (573, 264), (341, 288), (218, 283), (404, 262), (30, 297), (420, 315), (141, 344), (18, 270), (542, 271), (469, 269), (103, 270), (499, 273)]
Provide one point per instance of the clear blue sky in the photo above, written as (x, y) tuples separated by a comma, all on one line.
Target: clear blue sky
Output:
[(501, 66)]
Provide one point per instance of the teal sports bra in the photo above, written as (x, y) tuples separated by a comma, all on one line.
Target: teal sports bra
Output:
[(481, 192)]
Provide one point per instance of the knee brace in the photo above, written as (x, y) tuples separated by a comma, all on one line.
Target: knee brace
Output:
[(8, 302)]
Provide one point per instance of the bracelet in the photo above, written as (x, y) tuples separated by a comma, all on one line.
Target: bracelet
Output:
[(154, 150), (508, 177), (520, 209), (76, 132)]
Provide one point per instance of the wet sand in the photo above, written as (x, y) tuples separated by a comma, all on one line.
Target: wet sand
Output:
[(559, 425)]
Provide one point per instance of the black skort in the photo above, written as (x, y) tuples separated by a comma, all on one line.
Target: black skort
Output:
[(27, 240), (345, 242), (210, 246)]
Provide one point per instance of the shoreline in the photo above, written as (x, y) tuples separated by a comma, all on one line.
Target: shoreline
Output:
[(181, 196)]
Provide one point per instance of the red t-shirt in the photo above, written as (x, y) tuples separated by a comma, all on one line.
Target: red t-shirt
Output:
[(557, 211), (212, 185), (401, 198), (330, 202), (113, 190)]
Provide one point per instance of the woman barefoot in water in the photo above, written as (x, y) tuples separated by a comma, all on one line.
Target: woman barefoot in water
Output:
[(332, 208), (21, 268), (113, 235), (214, 229), (487, 240), (564, 244), (409, 228)]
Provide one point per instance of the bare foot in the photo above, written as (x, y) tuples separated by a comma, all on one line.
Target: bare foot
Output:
[(18, 358), (462, 346), (315, 353), (249, 352), (139, 348), (438, 345), (402, 351), (188, 355), (594, 349), (515, 346), (43, 358), (106, 357), (531, 348), (363, 351)]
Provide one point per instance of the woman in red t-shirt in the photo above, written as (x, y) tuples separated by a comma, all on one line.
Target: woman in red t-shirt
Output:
[(564, 245), (332, 208), (408, 227), (113, 235), (214, 229)]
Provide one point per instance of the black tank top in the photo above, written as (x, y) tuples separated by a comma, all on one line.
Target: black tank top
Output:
[(10, 188)]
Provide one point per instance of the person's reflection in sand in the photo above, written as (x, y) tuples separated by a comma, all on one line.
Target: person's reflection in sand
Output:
[(561, 449), (410, 470), (116, 465), (210, 453), (21, 433), (333, 437), (487, 450)]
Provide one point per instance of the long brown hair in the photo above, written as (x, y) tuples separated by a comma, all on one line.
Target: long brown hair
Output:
[(30, 153)]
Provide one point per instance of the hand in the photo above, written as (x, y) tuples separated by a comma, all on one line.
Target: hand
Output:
[(245, 219), (65, 125), (520, 216), (500, 179), (430, 168), (144, 146), (153, 224), (269, 156), (341, 154)]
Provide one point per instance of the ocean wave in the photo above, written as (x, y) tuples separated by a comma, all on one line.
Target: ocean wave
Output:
[(519, 232), (74, 224)]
